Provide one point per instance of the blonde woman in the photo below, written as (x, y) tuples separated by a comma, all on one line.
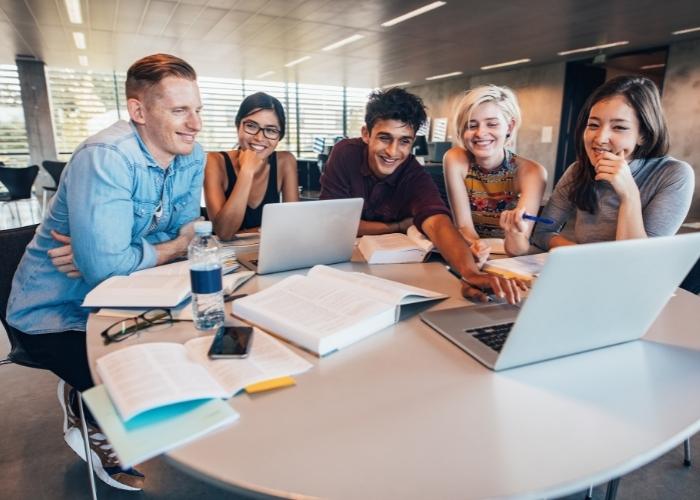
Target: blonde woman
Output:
[(491, 188)]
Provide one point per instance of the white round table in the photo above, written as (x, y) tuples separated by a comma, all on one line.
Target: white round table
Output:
[(406, 414)]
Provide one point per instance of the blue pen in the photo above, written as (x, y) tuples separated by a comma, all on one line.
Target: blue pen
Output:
[(534, 218)]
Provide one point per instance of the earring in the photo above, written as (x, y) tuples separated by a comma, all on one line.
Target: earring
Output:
[(508, 135)]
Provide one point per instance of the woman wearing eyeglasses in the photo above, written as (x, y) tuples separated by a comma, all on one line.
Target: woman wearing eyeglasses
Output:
[(238, 183)]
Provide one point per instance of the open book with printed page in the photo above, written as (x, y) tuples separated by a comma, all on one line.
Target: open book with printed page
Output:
[(183, 310), (161, 286), (141, 377), (328, 309), (157, 396)]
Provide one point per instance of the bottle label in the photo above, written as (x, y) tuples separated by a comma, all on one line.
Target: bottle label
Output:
[(206, 281)]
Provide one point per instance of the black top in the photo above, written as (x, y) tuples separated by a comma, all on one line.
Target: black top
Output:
[(253, 216)]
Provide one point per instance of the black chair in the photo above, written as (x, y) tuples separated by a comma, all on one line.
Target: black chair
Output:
[(13, 243), (54, 168), (18, 182)]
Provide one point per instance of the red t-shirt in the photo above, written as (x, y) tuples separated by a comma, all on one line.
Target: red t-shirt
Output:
[(408, 192)]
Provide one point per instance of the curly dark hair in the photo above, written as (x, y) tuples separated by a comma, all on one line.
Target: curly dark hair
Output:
[(643, 96), (395, 104)]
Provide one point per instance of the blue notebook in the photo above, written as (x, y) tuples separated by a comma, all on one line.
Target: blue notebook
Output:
[(153, 432)]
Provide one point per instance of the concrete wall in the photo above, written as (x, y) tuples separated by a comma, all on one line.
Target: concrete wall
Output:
[(37, 117), (681, 102), (540, 93)]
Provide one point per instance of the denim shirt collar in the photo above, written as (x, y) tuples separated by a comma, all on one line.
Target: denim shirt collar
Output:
[(150, 160)]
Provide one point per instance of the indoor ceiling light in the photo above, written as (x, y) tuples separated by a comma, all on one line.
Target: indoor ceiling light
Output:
[(413, 13), (79, 39), (297, 61), (344, 41), (74, 13), (683, 32), (507, 63), (653, 66), (595, 47), (83, 60), (446, 75), (398, 84), (267, 73)]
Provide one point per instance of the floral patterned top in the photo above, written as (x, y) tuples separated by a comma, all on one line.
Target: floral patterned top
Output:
[(490, 193)]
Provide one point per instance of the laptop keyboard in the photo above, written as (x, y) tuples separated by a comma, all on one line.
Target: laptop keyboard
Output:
[(493, 336)]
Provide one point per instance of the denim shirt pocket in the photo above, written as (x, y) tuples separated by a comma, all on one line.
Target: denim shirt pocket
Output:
[(143, 217), (180, 205)]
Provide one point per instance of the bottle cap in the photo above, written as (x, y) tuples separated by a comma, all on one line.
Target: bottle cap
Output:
[(203, 227)]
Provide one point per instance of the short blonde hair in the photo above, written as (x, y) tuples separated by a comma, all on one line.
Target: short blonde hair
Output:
[(503, 97)]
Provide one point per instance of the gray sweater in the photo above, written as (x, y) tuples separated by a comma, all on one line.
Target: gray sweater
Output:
[(666, 190)]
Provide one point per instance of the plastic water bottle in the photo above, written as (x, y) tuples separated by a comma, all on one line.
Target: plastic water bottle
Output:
[(205, 274)]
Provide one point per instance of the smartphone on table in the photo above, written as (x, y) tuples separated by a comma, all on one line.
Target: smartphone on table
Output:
[(231, 342)]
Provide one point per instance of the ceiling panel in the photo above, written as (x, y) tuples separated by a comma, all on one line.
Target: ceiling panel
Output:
[(232, 38), (102, 13), (227, 25), (45, 13), (17, 12), (129, 15), (156, 18)]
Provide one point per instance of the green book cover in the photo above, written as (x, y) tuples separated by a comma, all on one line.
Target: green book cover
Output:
[(158, 430)]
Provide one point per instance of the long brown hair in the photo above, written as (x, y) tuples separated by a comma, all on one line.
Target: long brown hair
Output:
[(643, 95)]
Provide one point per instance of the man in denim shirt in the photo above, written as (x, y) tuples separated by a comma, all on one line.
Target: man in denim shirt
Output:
[(126, 201)]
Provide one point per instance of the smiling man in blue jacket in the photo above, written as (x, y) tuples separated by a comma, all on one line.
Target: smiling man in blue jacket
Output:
[(126, 201)]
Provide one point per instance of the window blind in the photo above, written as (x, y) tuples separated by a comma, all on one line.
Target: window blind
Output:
[(14, 148), (82, 104)]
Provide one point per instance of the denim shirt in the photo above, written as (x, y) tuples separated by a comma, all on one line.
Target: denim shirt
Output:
[(107, 201)]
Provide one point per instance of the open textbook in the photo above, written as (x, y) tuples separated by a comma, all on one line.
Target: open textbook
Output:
[(142, 377), (328, 309), (395, 248), (161, 286), (183, 310)]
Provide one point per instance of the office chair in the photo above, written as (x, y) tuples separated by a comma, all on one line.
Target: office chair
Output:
[(54, 168), (13, 242), (18, 182)]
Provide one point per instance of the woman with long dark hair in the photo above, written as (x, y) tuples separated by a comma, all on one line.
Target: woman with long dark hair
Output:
[(238, 183), (623, 184)]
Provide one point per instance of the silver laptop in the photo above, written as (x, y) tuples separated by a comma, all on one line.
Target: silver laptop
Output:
[(306, 233), (586, 297)]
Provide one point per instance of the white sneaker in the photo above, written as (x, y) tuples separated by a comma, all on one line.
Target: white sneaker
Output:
[(104, 459)]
